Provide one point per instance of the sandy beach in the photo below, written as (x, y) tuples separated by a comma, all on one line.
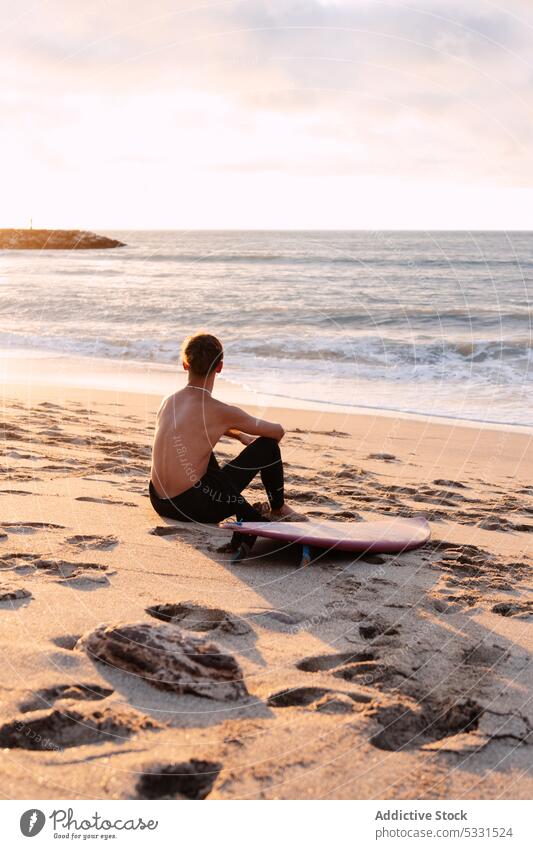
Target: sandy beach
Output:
[(380, 677)]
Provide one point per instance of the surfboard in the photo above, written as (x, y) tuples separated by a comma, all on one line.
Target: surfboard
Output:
[(388, 536)]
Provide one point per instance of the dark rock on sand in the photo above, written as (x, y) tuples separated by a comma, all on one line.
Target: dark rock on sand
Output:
[(62, 240), (167, 658)]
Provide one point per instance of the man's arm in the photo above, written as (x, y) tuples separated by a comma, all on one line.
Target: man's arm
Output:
[(233, 433), (241, 437), (239, 420)]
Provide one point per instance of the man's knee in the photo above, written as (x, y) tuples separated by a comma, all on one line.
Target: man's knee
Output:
[(270, 446)]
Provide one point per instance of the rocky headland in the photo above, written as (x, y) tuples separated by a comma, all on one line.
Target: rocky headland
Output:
[(62, 240)]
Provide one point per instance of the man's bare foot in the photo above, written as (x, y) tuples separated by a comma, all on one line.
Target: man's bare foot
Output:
[(287, 514), (262, 507)]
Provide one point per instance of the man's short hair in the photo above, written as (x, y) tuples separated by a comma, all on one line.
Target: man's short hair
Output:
[(202, 352)]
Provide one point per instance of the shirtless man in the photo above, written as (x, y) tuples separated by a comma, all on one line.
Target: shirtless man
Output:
[(187, 482)]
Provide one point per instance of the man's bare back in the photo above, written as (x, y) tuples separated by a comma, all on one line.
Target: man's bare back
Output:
[(188, 426)]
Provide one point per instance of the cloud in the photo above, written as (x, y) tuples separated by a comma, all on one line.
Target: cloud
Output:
[(432, 90)]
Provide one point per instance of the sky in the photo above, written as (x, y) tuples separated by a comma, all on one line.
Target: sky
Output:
[(319, 114)]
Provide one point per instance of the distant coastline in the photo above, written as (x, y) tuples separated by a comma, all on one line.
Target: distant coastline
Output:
[(62, 240)]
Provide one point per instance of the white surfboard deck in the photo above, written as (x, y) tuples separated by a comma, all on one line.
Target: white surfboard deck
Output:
[(385, 536)]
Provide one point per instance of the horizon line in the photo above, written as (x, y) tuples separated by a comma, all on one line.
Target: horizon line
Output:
[(280, 229)]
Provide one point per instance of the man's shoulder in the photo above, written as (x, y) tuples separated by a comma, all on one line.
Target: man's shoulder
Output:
[(221, 406), (169, 400), (227, 411)]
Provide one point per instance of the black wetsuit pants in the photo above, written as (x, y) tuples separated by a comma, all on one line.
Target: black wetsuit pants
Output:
[(218, 494)]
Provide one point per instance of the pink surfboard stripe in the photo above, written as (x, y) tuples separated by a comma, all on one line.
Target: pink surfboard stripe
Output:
[(389, 536)]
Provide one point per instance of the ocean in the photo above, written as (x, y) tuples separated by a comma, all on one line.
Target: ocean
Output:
[(435, 323)]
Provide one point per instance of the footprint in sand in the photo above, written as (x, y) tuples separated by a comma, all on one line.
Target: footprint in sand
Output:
[(9, 592), (362, 667), (428, 496), (365, 671), (277, 620), (92, 500), (165, 531), (198, 617), (466, 562), (321, 699), (407, 725), (66, 641), (297, 697), (522, 610), (500, 523), (193, 779), (93, 541), (327, 662), (74, 574), (17, 561), (46, 697), (371, 630), (48, 405), (337, 703), (63, 571), (30, 527), (61, 729), (9, 431), (347, 515), (455, 484), (484, 655)]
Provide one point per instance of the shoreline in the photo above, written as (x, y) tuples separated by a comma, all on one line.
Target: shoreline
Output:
[(45, 368)]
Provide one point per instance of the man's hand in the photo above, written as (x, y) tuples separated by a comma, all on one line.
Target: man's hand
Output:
[(246, 439)]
